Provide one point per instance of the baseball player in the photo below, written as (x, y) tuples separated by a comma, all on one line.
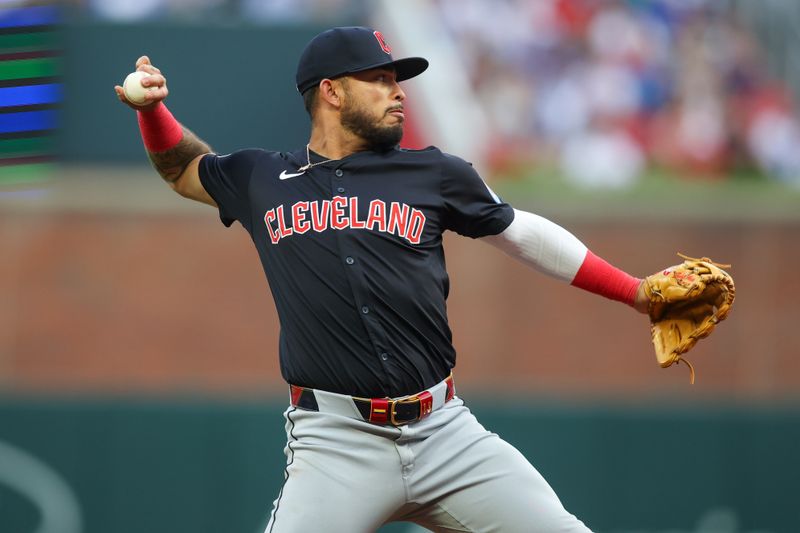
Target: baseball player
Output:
[(349, 231)]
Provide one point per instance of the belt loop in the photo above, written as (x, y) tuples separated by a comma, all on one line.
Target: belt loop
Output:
[(295, 393), (379, 410), (451, 390)]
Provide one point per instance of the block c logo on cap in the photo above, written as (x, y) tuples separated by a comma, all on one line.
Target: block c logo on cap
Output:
[(386, 48)]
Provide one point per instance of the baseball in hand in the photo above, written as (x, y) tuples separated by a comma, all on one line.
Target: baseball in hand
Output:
[(135, 92)]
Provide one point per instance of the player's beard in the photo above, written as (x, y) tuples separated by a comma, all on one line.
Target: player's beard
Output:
[(361, 122)]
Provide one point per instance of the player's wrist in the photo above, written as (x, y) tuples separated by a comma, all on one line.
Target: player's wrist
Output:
[(159, 128), (597, 276), (641, 302)]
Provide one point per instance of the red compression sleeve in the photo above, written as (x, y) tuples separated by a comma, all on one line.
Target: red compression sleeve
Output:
[(160, 130), (597, 276)]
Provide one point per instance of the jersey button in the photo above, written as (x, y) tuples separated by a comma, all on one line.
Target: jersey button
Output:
[(340, 189), (365, 309), (384, 356), (339, 173), (349, 260)]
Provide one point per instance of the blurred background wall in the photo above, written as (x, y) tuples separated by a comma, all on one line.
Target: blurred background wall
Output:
[(139, 387)]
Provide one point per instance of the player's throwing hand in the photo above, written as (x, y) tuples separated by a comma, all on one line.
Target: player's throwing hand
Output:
[(155, 82)]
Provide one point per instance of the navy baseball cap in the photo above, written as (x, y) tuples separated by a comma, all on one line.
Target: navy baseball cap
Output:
[(348, 50)]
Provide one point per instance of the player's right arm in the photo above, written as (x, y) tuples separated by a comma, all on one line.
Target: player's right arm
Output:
[(173, 149)]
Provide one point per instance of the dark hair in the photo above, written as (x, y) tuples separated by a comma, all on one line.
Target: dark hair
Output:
[(310, 100)]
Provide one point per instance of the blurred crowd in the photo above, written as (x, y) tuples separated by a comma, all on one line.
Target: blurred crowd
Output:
[(253, 11), (604, 89)]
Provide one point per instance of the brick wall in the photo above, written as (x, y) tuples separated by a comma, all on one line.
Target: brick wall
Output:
[(165, 304)]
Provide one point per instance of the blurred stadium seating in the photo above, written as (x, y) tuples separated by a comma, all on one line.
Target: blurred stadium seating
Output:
[(605, 90), (601, 91)]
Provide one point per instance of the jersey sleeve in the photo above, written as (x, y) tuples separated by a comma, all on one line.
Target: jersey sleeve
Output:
[(472, 209), (227, 179)]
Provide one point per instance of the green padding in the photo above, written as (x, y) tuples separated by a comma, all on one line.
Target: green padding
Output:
[(268, 111), (33, 145), (27, 41), (161, 467), (28, 68)]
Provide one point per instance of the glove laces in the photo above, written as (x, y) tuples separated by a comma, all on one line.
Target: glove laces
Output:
[(679, 359)]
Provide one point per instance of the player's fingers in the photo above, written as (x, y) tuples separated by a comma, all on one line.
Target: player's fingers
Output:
[(150, 69), (154, 80), (120, 94), (144, 60), (121, 97), (156, 95)]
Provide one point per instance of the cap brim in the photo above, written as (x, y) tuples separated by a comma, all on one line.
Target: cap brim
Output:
[(405, 68), (409, 67)]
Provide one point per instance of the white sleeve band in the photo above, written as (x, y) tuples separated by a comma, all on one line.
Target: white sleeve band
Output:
[(542, 244)]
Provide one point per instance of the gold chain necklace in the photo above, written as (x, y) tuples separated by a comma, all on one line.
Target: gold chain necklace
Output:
[(311, 165)]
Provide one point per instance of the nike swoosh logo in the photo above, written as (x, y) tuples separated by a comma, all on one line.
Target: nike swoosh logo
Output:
[(285, 176)]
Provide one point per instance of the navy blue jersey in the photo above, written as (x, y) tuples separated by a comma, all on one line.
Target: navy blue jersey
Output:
[(352, 250)]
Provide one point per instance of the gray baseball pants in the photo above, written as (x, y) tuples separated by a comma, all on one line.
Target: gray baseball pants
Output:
[(445, 473)]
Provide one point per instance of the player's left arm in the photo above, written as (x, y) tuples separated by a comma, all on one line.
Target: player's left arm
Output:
[(554, 251)]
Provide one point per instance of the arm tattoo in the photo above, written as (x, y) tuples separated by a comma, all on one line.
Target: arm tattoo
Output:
[(171, 163)]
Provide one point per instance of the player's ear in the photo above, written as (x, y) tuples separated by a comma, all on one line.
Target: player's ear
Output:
[(331, 91)]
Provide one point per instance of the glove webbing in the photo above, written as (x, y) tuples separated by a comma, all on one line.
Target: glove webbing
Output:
[(703, 259)]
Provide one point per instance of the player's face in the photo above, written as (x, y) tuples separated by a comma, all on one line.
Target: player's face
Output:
[(373, 107)]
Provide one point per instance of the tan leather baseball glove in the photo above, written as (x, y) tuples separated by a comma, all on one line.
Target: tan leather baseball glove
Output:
[(687, 301)]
